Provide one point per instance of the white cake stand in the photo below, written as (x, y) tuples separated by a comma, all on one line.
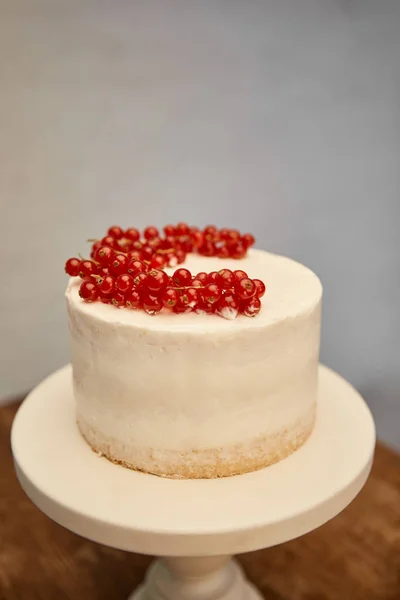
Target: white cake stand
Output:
[(195, 525)]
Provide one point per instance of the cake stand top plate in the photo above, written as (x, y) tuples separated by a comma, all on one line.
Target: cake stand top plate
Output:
[(151, 515)]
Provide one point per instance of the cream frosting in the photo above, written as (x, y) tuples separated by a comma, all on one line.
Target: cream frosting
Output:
[(157, 391)]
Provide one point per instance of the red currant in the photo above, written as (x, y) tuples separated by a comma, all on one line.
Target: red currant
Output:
[(211, 293), (197, 239), (170, 298), (212, 277), (182, 277), (169, 230), (118, 298), (207, 248), (119, 264), (87, 268), (136, 266), (88, 290), (248, 240), (158, 261), (233, 235), (171, 258), (132, 234), (225, 279), (150, 233), (181, 229), (124, 283), (140, 280), (180, 256), (106, 285), (251, 308), (203, 277), (109, 241), (95, 247), (223, 252), (104, 255), (227, 306), (157, 280), (204, 307), (260, 288), (115, 232), (239, 274), (134, 255), (245, 288), (72, 267), (152, 303), (147, 253), (210, 233), (134, 299), (224, 234), (103, 271), (238, 250), (192, 295), (196, 283)]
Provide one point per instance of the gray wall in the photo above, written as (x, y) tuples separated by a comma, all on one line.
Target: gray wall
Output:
[(278, 117)]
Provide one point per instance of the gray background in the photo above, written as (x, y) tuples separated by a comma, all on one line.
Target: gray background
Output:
[(281, 118)]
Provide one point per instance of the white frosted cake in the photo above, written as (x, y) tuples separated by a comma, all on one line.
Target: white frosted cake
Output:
[(195, 395)]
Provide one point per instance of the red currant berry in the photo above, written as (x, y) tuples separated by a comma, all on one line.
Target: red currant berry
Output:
[(152, 303), (192, 295), (88, 290), (158, 261), (181, 229), (115, 232), (233, 235), (260, 288), (180, 256), (147, 253), (157, 280), (106, 285), (210, 233), (87, 268), (212, 277), (104, 255), (197, 238), (204, 307), (119, 264), (251, 308), (170, 298), (136, 266), (237, 250), (134, 255), (134, 299), (239, 274), (94, 249), (172, 261), (124, 283), (103, 271), (132, 234), (72, 267), (186, 245), (118, 298), (150, 233), (245, 288), (203, 277), (211, 293), (223, 252), (207, 248), (140, 280), (196, 283), (109, 241), (224, 234), (137, 245), (248, 240), (169, 230), (227, 306), (105, 298), (182, 277), (225, 279), (154, 243)]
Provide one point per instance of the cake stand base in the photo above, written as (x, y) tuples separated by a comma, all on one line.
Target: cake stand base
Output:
[(207, 578), (195, 526)]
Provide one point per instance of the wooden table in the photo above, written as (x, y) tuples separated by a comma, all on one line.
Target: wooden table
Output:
[(355, 556)]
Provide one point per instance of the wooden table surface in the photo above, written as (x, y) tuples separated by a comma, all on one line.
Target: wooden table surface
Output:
[(355, 556)]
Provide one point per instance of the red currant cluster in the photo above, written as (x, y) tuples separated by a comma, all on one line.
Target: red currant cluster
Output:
[(127, 270)]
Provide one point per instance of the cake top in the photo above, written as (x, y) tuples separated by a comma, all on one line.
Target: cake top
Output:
[(293, 289)]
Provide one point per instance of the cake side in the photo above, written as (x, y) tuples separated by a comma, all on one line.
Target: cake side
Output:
[(195, 395)]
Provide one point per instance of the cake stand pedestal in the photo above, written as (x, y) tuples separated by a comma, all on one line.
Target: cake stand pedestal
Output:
[(194, 525)]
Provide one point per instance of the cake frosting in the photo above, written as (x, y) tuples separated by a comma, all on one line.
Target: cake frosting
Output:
[(194, 396)]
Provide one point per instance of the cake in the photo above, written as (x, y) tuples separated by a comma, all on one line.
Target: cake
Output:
[(190, 394)]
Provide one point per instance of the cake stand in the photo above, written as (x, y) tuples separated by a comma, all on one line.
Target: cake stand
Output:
[(195, 526)]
